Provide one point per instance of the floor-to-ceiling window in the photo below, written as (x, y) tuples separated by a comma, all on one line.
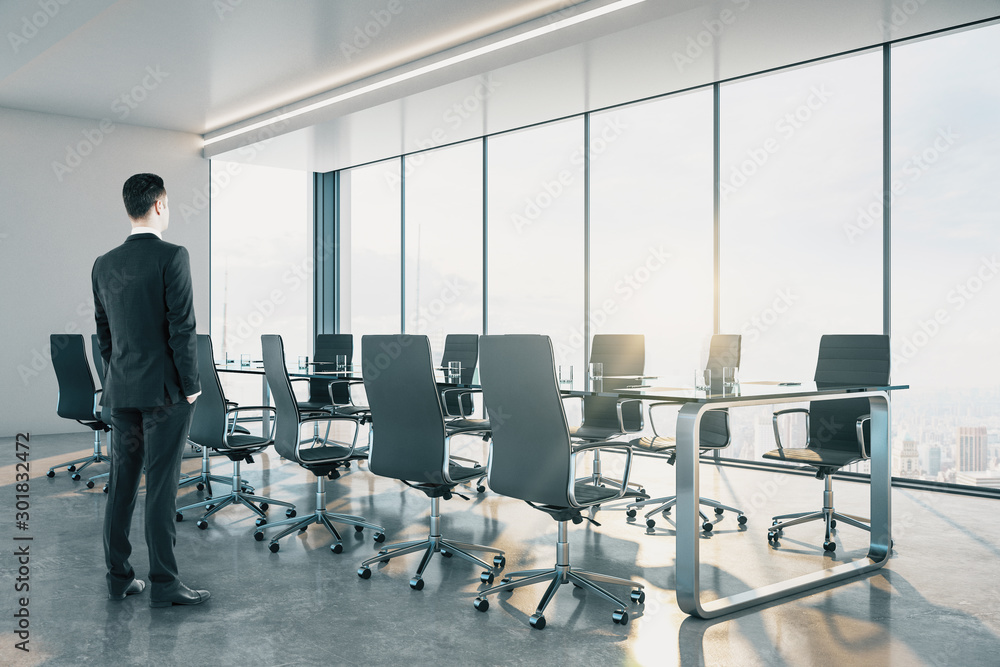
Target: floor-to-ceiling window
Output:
[(945, 238), (651, 238), (535, 238), (444, 242), (370, 249)]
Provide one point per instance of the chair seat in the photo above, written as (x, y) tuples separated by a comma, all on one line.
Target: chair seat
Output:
[(310, 455), (594, 432), (814, 456), (654, 444), (461, 425), (463, 474), (314, 406), (242, 441), (588, 494), (349, 410)]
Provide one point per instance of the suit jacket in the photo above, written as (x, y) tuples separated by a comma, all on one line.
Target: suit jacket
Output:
[(144, 308)]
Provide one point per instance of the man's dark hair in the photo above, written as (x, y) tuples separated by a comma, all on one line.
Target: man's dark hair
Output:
[(140, 193)]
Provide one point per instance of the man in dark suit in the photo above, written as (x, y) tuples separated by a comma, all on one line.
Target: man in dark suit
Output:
[(145, 325)]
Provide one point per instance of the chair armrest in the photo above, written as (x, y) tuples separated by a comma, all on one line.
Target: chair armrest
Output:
[(97, 404), (236, 417), (774, 423), (299, 379), (461, 391), (609, 446), (621, 418), (329, 389), (860, 426), (652, 422)]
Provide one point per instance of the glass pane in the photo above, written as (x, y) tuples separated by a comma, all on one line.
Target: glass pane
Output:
[(651, 258), (444, 242), (801, 240), (370, 256), (536, 235), (946, 152)]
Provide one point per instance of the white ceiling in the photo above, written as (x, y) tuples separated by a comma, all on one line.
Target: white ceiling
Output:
[(208, 67)]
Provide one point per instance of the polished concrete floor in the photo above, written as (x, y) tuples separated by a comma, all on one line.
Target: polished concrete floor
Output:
[(936, 603)]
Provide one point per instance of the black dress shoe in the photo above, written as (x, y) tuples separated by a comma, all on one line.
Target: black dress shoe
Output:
[(135, 587), (183, 595)]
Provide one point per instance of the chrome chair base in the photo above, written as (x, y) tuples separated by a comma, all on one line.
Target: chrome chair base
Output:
[(436, 544), (320, 516), (204, 478), (827, 515), (237, 496), (563, 573), (75, 469), (665, 504)]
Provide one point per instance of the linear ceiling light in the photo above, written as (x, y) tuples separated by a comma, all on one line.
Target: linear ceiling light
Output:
[(433, 67)]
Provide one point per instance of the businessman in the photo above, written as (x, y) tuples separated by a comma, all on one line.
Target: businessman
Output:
[(145, 325)]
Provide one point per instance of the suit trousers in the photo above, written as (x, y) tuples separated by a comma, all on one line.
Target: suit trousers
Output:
[(153, 438)]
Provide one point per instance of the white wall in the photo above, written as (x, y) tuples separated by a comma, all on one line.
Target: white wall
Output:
[(61, 207)]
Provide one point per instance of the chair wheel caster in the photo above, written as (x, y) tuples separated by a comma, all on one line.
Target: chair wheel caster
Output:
[(650, 523), (199, 486), (264, 507), (337, 548), (830, 546), (202, 524), (482, 489), (259, 536), (719, 511), (210, 507), (630, 513), (772, 537), (380, 537), (75, 477), (90, 483), (303, 529), (499, 562), (486, 577), (71, 468), (707, 526), (833, 523), (537, 621), (358, 529), (638, 596), (620, 617), (666, 512), (481, 604), (347, 465), (179, 517), (365, 572), (105, 489), (742, 519), (274, 546), (290, 513), (417, 584), (50, 474), (261, 522), (446, 554), (505, 580)]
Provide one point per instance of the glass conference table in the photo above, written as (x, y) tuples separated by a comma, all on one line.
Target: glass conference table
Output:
[(692, 405)]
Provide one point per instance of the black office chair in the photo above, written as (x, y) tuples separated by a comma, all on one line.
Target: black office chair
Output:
[(463, 348), (323, 392), (213, 426), (78, 397), (410, 443), (605, 418), (724, 351), (534, 459), (321, 457), (839, 432)]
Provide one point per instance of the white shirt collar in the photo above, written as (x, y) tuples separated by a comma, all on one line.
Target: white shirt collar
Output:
[(147, 230)]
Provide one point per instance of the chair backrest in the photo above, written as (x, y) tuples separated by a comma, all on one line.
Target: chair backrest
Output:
[(76, 383), (208, 423), (286, 427), (846, 360), (328, 346), (621, 354), (463, 348), (531, 450), (724, 351), (408, 439)]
